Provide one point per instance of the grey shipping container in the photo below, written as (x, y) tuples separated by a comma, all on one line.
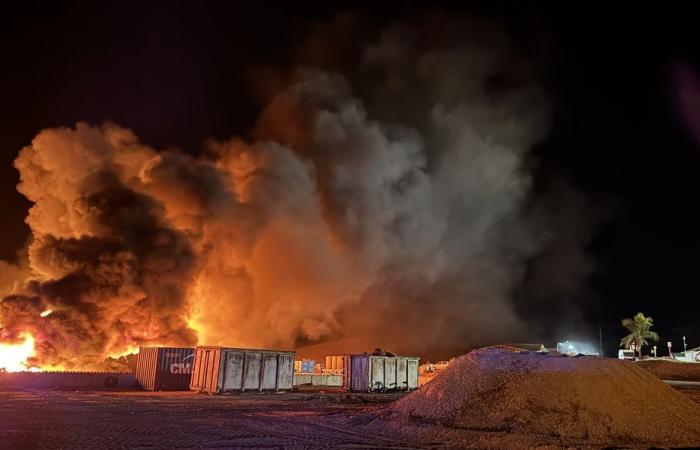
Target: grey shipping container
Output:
[(164, 368), (372, 373), (222, 369)]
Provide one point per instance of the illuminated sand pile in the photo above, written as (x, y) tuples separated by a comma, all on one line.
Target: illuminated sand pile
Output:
[(575, 400)]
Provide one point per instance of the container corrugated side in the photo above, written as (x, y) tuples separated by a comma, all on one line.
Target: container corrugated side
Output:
[(174, 368), (358, 376), (378, 373), (261, 370), (334, 363), (205, 372), (146, 367), (220, 369), (164, 368), (347, 371)]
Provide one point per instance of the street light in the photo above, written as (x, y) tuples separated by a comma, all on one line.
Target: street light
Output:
[(685, 346), (655, 351)]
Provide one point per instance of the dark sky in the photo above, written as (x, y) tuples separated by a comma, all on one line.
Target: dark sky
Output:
[(178, 72)]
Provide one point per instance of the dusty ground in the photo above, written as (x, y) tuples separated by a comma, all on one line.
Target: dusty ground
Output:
[(672, 370), (307, 420), (95, 420), (692, 393)]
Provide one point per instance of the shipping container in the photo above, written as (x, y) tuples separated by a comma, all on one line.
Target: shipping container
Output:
[(334, 363), (373, 373), (301, 379), (327, 380), (164, 368), (222, 369)]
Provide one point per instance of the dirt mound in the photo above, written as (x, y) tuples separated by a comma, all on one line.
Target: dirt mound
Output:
[(672, 370), (583, 399)]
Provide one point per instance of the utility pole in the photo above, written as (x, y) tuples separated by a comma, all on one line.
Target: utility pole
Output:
[(600, 339)]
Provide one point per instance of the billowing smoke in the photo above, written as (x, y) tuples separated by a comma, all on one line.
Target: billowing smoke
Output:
[(385, 202)]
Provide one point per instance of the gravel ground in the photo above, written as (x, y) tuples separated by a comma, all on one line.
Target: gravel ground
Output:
[(672, 370), (101, 420), (307, 420)]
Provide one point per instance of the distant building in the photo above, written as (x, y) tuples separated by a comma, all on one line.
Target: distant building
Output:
[(691, 355)]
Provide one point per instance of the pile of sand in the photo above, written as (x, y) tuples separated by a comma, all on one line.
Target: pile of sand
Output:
[(672, 370), (584, 399)]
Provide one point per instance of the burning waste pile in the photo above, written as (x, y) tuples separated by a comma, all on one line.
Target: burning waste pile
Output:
[(575, 400)]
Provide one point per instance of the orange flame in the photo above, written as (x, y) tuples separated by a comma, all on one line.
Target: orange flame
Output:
[(14, 357)]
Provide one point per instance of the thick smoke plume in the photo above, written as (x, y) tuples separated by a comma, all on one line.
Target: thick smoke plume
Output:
[(385, 202)]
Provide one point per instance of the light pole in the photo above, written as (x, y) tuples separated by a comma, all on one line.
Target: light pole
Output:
[(669, 349), (655, 351), (685, 346)]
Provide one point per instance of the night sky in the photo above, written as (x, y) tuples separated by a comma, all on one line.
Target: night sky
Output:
[(177, 73)]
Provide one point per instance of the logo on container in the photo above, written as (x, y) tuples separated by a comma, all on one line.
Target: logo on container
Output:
[(184, 367), (180, 368)]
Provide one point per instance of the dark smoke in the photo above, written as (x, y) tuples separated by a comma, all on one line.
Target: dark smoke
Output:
[(387, 197)]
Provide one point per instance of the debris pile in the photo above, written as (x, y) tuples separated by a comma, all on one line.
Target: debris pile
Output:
[(585, 400)]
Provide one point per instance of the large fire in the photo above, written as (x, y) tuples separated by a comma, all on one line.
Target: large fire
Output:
[(15, 357), (332, 216)]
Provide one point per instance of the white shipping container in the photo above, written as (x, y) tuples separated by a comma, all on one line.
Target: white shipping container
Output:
[(372, 373), (222, 369)]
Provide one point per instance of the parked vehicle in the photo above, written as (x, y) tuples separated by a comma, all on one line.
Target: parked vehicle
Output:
[(626, 354)]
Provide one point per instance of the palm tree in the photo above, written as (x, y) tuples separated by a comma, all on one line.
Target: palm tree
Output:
[(640, 330)]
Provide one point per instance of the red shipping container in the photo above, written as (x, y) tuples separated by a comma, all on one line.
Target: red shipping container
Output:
[(164, 368)]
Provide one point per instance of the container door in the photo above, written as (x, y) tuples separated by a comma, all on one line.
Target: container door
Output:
[(269, 371), (146, 367), (251, 371), (377, 372), (205, 362), (208, 367), (347, 368), (390, 373), (196, 381), (285, 374), (359, 373), (233, 372), (402, 373), (193, 381), (412, 373)]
